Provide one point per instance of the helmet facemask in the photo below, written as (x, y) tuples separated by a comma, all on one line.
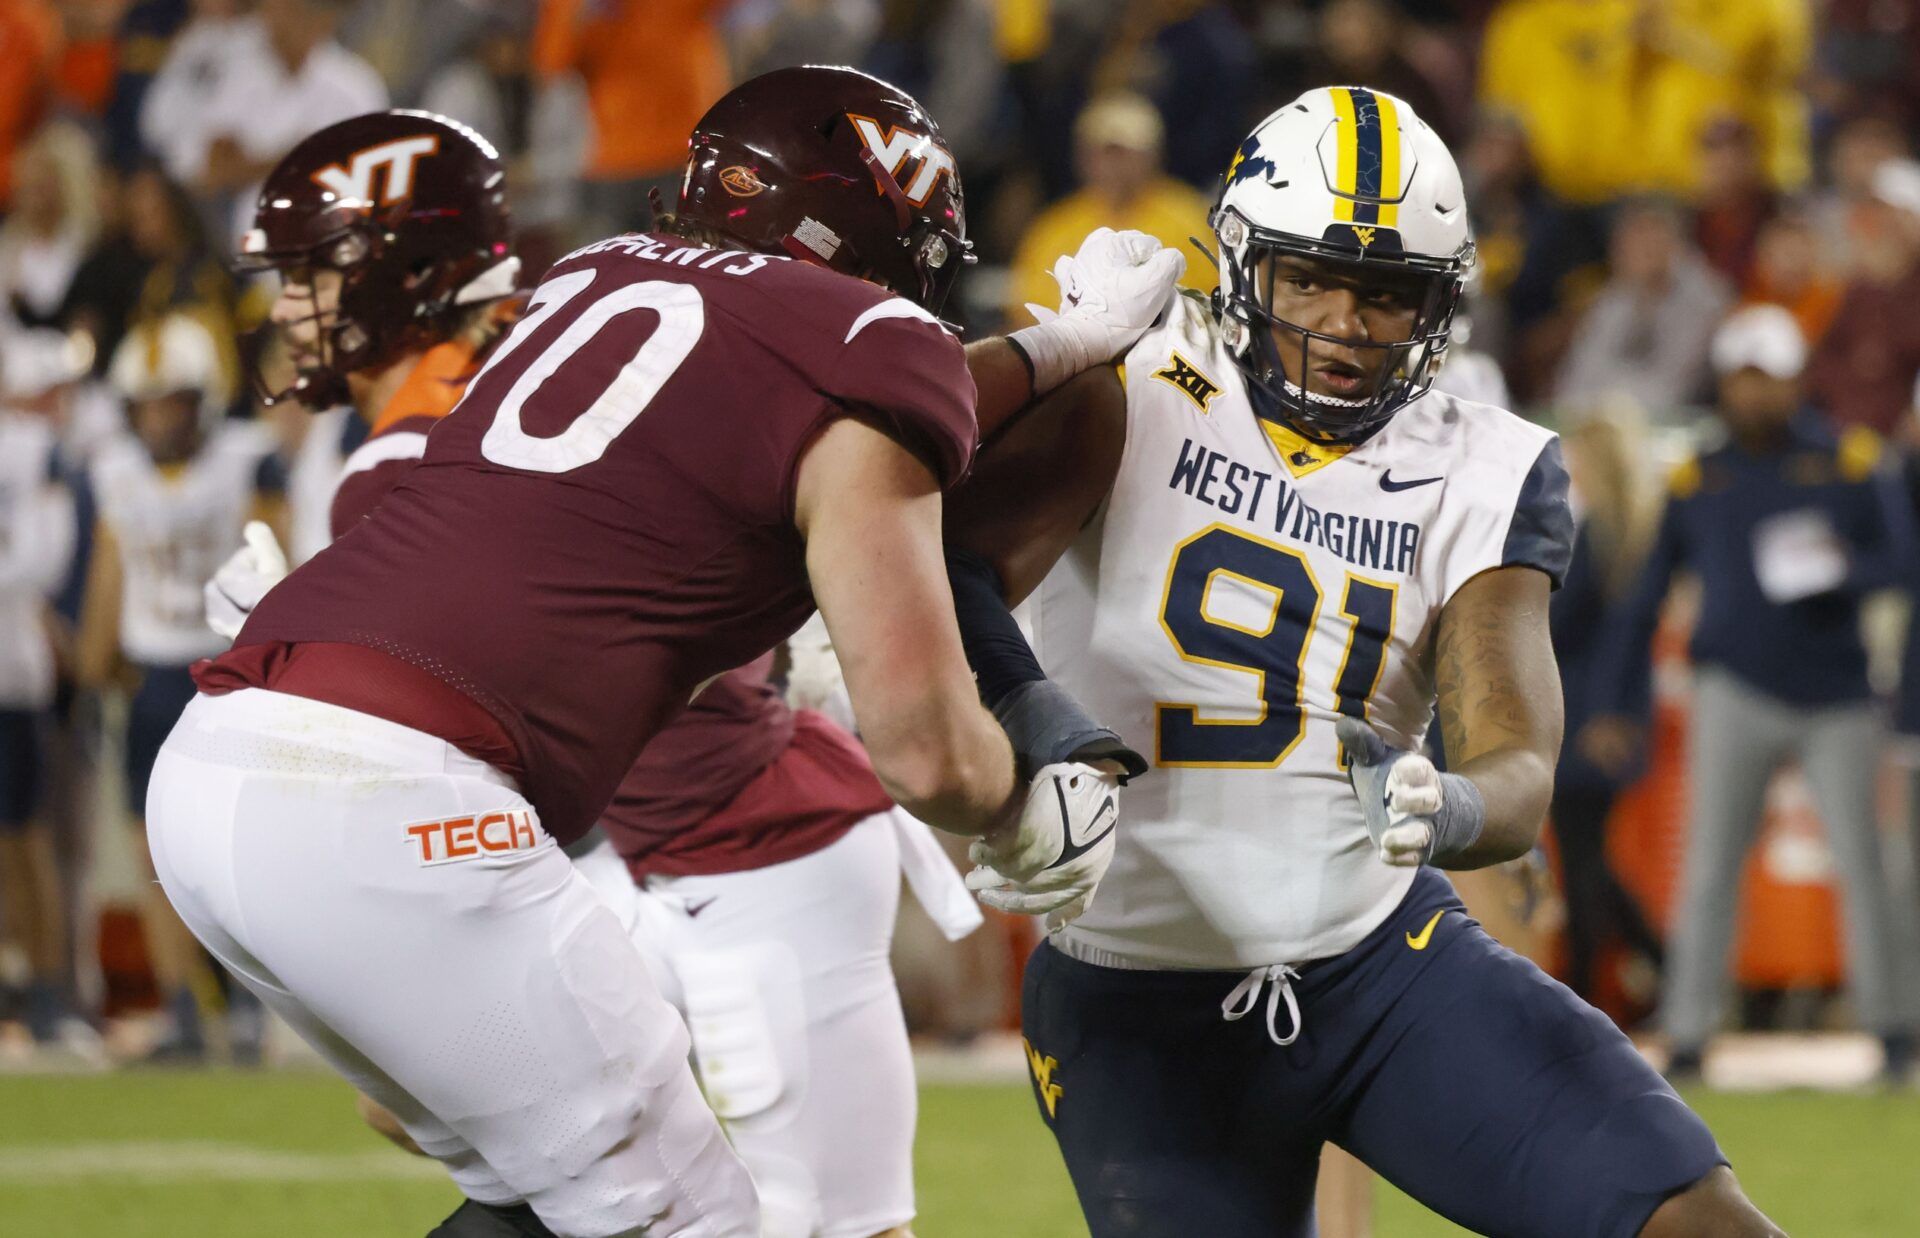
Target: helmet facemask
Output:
[(368, 326), (1262, 342), (338, 345)]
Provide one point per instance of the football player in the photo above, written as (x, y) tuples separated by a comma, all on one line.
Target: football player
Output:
[(1286, 554), (37, 537), (690, 439), (173, 491)]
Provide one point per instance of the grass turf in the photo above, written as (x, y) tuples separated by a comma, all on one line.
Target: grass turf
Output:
[(221, 1155)]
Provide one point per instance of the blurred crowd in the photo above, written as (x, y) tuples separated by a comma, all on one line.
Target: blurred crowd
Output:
[(1699, 250)]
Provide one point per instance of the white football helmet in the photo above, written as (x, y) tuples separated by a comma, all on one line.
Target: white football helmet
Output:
[(1350, 175), (171, 355)]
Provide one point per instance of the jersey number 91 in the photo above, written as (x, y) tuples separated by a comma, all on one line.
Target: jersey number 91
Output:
[(1275, 654)]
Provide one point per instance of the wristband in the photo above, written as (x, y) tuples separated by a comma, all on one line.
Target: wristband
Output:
[(1458, 824), (1046, 726), (1058, 349)]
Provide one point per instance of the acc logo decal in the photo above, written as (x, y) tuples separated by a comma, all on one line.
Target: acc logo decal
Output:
[(1196, 386), (1043, 1068), (896, 147), (356, 180), (740, 181)]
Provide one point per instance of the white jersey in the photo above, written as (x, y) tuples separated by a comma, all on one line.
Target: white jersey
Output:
[(36, 548), (314, 478), (174, 527), (1242, 589)]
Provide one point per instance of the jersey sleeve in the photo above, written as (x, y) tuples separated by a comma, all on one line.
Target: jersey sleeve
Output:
[(898, 362), (1540, 534)]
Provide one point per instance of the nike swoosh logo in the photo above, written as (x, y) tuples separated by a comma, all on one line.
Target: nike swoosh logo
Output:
[(1426, 934), (694, 909), (1394, 487), (1109, 812)]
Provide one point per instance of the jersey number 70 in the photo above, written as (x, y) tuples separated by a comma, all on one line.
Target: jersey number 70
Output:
[(1275, 655)]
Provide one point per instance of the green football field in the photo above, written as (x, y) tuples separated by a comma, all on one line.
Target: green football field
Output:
[(222, 1155)]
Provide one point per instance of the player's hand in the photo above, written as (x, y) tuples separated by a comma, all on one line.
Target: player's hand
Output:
[(1404, 799), (1111, 293), (1119, 285), (1053, 858), (244, 579)]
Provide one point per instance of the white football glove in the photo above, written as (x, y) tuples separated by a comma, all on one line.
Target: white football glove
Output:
[(1117, 287), (1060, 850), (244, 579), (1415, 814)]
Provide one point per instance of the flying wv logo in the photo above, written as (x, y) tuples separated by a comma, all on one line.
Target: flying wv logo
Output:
[(1043, 1068), (1364, 236), (1196, 386)]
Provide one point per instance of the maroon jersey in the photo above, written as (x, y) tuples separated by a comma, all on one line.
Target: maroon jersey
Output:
[(740, 781), (606, 520), (736, 727)]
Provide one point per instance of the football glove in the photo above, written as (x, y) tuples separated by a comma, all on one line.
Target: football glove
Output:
[(1117, 287), (243, 580), (1060, 849), (1415, 814)]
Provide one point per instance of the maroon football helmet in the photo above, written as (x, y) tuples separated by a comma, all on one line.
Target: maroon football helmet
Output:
[(411, 209), (836, 168)]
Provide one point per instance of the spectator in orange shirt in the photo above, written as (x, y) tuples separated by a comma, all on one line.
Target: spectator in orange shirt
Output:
[(29, 48), (1790, 270), (651, 68)]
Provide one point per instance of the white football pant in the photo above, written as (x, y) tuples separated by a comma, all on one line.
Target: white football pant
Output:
[(396, 902), (784, 975)]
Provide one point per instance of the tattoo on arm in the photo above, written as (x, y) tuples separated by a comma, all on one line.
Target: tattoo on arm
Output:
[(1499, 705), (1482, 703)]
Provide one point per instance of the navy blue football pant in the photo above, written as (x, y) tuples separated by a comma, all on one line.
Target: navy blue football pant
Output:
[(1459, 1071)]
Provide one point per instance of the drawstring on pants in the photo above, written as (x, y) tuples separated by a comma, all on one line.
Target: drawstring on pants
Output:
[(1278, 981)]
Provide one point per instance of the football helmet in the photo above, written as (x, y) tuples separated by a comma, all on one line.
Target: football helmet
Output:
[(1352, 176), (836, 168), (169, 356), (411, 209)]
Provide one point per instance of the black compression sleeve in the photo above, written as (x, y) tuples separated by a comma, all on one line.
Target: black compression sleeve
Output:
[(1042, 720), (996, 648)]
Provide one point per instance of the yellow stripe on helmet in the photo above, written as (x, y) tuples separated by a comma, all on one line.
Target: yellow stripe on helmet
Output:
[(1347, 137), (1389, 159)]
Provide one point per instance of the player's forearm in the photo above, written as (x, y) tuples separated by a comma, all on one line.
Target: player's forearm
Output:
[(1002, 380), (950, 766), (1500, 709), (1515, 785)]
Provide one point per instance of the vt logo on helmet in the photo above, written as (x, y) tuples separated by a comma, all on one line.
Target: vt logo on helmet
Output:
[(1344, 247), (388, 166)]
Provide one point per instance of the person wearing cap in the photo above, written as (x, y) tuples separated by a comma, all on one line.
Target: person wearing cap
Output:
[(1787, 526), (174, 488), (36, 549), (1117, 143)]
